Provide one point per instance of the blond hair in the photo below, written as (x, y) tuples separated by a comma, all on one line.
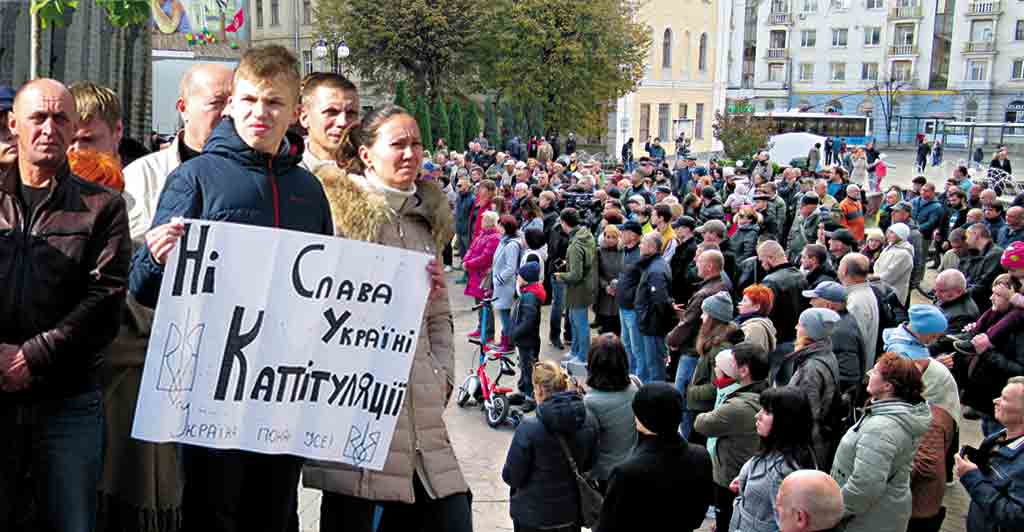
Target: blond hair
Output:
[(612, 230), (96, 101), (550, 377), (269, 63)]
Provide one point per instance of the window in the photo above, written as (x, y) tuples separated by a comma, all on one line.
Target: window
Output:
[(977, 70), (777, 39), (307, 61), (904, 34), (1018, 69), (872, 35), (645, 122), (902, 70), (840, 5), (275, 12), (808, 38), (869, 72), (806, 71), (838, 71), (258, 8), (307, 12), (780, 6), (702, 58), (839, 37), (971, 111), (698, 122), (1019, 34), (809, 6), (776, 72), (876, 4), (682, 110), (666, 49), (664, 119), (981, 31)]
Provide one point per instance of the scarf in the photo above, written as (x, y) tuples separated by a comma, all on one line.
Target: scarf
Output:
[(725, 385), (395, 197)]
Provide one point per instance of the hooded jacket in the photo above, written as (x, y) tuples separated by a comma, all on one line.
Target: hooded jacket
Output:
[(543, 489), (231, 182), (873, 465), (744, 241), (581, 277), (526, 317), (759, 330), (895, 266), (732, 422)]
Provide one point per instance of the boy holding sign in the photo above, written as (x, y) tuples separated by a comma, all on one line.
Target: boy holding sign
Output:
[(248, 173)]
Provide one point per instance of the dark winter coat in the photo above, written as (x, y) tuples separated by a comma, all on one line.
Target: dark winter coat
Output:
[(744, 241), (231, 182), (997, 493), (959, 313), (525, 333), (928, 215), (653, 301), (629, 278), (814, 370), (644, 491), (713, 210), (850, 349), (610, 265), (544, 492), (463, 214), (685, 255), (821, 274), (981, 269), (803, 231), (787, 284)]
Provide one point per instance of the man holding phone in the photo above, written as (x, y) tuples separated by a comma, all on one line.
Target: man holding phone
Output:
[(993, 474)]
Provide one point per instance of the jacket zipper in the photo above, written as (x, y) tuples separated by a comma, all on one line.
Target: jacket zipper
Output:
[(274, 192)]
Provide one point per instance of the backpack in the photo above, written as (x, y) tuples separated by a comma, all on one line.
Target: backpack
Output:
[(891, 312)]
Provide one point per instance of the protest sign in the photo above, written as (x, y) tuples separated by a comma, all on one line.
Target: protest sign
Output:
[(277, 341)]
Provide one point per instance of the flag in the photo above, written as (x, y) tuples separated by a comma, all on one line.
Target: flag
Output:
[(237, 22)]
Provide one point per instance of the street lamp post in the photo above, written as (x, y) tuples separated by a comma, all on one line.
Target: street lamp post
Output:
[(335, 47)]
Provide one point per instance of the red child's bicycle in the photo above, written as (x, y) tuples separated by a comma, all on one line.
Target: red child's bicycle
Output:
[(479, 387)]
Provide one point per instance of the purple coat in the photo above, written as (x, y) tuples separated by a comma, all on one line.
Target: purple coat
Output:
[(478, 260)]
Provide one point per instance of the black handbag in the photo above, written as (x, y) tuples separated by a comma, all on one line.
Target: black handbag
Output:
[(591, 498)]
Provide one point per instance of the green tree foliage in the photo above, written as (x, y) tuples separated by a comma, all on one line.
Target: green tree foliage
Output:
[(402, 96), (491, 125), (422, 115), (471, 122), (522, 127), (741, 135), (439, 122), (536, 113), (120, 13), (456, 129), (509, 127), (574, 58), (433, 43)]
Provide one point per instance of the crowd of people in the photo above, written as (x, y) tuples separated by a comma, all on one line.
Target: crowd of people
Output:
[(756, 349)]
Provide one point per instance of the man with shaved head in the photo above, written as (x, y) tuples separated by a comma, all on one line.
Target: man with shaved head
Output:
[(954, 301), (787, 284), (1014, 229), (861, 301), (808, 501), (202, 96), (65, 260)]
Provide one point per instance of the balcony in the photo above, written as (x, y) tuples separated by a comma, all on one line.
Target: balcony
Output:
[(983, 47), (903, 50), (912, 12), (780, 19), (984, 9), (777, 53), (975, 85)]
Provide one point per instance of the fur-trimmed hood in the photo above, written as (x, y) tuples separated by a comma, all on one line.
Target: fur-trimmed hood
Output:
[(360, 212)]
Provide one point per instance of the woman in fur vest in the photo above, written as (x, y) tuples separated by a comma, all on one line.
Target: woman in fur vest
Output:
[(375, 197)]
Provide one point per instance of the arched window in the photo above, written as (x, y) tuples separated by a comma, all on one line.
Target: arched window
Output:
[(702, 58), (666, 49)]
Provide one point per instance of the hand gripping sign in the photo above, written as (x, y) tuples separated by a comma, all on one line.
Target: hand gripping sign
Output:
[(276, 341)]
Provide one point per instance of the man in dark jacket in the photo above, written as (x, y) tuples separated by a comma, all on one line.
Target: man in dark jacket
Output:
[(954, 301), (848, 345), (653, 308), (815, 265), (804, 230), (928, 215), (248, 173), (558, 247), (711, 208), (64, 259), (643, 491), (787, 285), (981, 267), (580, 280), (1014, 229), (686, 252), (625, 293), (525, 335), (464, 204)]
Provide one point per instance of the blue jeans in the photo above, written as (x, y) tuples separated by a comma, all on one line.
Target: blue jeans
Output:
[(684, 374), (652, 359), (60, 444), (631, 338), (505, 315), (557, 306), (579, 320), (488, 325)]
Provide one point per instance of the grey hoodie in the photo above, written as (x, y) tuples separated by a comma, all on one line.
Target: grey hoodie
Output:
[(873, 465)]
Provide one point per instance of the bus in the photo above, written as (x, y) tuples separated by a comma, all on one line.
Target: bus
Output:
[(854, 130)]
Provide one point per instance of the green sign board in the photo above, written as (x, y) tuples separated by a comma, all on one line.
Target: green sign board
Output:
[(740, 107)]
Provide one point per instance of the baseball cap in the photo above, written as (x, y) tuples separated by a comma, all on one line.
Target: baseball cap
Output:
[(714, 226), (829, 291), (844, 236), (685, 221)]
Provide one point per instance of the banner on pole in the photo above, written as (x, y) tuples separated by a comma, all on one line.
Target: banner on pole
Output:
[(282, 342)]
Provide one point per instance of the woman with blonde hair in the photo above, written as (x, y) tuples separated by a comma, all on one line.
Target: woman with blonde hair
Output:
[(375, 196), (544, 492)]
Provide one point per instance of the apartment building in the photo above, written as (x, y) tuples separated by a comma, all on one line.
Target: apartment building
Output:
[(987, 66)]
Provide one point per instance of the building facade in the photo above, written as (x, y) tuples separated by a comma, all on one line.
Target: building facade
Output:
[(683, 83), (893, 60), (292, 24)]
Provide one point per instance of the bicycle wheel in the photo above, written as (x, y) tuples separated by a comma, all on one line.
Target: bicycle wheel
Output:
[(466, 391), (497, 413)]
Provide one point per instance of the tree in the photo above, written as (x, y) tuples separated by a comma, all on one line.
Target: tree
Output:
[(741, 135), (456, 129), (433, 43), (572, 58), (471, 123), (422, 116), (402, 96), (508, 121), (46, 13), (522, 127), (491, 125), (536, 114), (439, 122), (888, 92)]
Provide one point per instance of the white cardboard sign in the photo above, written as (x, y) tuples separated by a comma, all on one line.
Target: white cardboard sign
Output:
[(282, 342)]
